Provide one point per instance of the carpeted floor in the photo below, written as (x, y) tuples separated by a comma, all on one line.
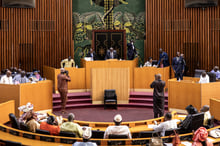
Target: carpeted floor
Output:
[(101, 115)]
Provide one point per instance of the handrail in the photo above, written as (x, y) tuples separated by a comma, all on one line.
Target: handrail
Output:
[(58, 139)]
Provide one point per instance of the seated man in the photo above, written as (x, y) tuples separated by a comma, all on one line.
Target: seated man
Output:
[(17, 76), (6, 79), (23, 78), (167, 125), (70, 126), (68, 62), (207, 114), (50, 126), (87, 134), (204, 78), (111, 54), (217, 72), (117, 129)]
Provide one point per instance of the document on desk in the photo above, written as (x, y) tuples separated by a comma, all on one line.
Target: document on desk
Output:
[(151, 126)]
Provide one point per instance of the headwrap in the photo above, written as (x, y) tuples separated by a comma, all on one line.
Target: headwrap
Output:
[(200, 135)]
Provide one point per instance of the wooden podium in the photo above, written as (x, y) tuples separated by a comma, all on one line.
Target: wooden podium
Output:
[(77, 76), (89, 65), (39, 94), (110, 78), (189, 91), (144, 76)]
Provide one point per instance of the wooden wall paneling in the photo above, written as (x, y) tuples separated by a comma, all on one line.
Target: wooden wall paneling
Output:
[(46, 29), (173, 27)]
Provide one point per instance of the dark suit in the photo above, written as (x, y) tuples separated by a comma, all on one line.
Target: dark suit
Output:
[(92, 55), (178, 66), (158, 97), (165, 59), (109, 56), (131, 51)]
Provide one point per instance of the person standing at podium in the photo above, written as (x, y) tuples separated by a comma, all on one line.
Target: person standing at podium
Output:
[(91, 54), (158, 96), (68, 62), (178, 66), (62, 85), (111, 54)]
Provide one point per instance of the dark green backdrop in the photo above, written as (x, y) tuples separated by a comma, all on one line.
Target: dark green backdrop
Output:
[(87, 16)]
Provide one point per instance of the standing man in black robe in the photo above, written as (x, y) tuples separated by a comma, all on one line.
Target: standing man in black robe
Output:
[(131, 50), (158, 96)]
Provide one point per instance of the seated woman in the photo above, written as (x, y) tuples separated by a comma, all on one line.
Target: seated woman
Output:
[(31, 122), (167, 125), (149, 62), (200, 138), (186, 122), (204, 78), (50, 126)]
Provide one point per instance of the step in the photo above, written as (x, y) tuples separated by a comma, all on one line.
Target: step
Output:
[(74, 94), (145, 94), (74, 100), (143, 100)]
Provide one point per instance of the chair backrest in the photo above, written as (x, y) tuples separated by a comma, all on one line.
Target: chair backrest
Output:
[(113, 136), (97, 134), (14, 121), (171, 131), (154, 62), (23, 126), (12, 143), (197, 121), (110, 93), (67, 134), (146, 134), (198, 72), (212, 76), (40, 131)]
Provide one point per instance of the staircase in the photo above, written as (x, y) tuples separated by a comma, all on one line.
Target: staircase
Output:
[(83, 100)]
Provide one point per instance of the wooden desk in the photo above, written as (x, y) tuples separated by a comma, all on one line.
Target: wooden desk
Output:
[(110, 78), (39, 94), (88, 65), (214, 108), (189, 91), (144, 76), (77, 76)]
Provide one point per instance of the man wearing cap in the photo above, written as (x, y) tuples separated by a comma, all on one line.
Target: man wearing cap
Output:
[(117, 129), (62, 85), (111, 54), (158, 96), (70, 126), (68, 62), (87, 134)]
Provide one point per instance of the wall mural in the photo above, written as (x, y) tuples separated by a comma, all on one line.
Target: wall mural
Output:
[(90, 15)]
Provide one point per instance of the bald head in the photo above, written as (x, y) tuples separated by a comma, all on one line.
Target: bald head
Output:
[(62, 70), (160, 50), (8, 73)]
